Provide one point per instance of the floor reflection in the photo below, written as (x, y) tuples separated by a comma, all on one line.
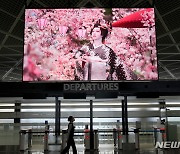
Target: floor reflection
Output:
[(14, 149)]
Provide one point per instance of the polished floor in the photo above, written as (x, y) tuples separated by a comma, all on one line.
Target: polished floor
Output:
[(103, 149)]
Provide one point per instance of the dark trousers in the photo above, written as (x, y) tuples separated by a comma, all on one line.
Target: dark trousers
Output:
[(70, 143)]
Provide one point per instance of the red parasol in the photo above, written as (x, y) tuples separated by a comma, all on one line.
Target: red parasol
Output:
[(134, 20)]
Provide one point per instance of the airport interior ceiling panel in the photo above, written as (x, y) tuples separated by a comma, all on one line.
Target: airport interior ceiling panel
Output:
[(12, 31)]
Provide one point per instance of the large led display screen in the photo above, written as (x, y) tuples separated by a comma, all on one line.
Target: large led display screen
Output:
[(89, 44)]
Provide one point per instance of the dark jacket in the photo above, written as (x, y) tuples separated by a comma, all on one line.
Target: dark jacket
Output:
[(70, 134)]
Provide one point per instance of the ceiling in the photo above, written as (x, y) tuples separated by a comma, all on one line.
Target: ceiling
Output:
[(12, 31)]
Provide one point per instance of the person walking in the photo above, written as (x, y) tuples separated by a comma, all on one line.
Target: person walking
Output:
[(70, 137)]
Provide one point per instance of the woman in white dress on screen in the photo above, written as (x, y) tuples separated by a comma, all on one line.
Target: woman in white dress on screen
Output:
[(101, 59)]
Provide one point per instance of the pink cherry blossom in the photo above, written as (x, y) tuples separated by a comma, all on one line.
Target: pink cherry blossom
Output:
[(49, 49)]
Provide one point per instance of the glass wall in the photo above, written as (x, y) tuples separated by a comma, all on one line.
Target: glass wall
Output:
[(107, 117)]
